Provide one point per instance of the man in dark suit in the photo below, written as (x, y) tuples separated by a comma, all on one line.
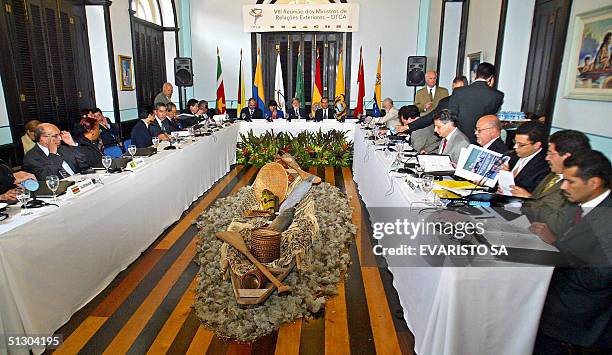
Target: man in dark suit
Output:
[(427, 120), (528, 162), (161, 124), (476, 100), (251, 112), (141, 135), (546, 202), (296, 112), (51, 157), (577, 314), (488, 131), (189, 117), (325, 111)]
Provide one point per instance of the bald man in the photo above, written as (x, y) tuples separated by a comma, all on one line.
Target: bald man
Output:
[(488, 131), (428, 97), (50, 157), (165, 96)]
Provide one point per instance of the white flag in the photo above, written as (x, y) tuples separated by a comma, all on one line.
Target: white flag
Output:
[(279, 91)]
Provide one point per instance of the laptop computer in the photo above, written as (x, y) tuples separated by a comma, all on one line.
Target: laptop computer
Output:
[(44, 191), (118, 164), (143, 152)]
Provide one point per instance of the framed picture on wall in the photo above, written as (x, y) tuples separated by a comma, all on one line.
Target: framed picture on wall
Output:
[(126, 77), (472, 61), (589, 76)]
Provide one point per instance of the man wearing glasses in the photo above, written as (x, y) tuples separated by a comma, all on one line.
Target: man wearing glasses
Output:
[(51, 157), (528, 163), (488, 131)]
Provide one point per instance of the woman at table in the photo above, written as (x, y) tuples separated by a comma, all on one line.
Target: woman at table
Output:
[(89, 143), (272, 112)]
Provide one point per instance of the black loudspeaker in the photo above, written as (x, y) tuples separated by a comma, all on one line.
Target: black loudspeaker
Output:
[(183, 72), (415, 72)]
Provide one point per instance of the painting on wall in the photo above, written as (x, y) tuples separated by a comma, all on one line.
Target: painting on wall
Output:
[(126, 75), (472, 61), (590, 69)]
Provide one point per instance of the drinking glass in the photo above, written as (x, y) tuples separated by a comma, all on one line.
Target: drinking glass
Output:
[(155, 141), (192, 134), (400, 151), (427, 184), (53, 184), (23, 196), (107, 160), (132, 150), (175, 135)]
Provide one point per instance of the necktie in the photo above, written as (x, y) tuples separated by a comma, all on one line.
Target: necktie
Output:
[(443, 145), (325, 114), (519, 166), (251, 113), (578, 215), (551, 183), (430, 95), (297, 113)]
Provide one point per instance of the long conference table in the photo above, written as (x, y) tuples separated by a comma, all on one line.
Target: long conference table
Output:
[(56, 260)]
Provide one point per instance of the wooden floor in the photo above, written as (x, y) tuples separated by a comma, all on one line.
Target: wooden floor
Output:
[(147, 308)]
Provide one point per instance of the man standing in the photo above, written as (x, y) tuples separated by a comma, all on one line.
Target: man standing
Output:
[(577, 313), (325, 111), (476, 100), (527, 163), (51, 157), (488, 131), (251, 112), (428, 97), (445, 125), (165, 95)]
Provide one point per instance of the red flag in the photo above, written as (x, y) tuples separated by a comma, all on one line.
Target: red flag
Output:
[(220, 88), (317, 90), (361, 91)]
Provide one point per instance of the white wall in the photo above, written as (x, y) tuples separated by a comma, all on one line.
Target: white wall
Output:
[(433, 33), (396, 34), (450, 44), (96, 32), (515, 52), (588, 116), (122, 44), (483, 25)]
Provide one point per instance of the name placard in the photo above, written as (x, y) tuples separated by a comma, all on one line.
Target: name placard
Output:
[(135, 164), (80, 187), (301, 17)]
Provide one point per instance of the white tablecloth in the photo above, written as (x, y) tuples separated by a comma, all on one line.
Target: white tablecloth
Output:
[(453, 310), (296, 126), (63, 257)]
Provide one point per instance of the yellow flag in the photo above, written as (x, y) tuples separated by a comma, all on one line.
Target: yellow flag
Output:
[(241, 97), (377, 97), (340, 99)]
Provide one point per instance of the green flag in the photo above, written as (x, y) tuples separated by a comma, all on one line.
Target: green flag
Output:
[(299, 83)]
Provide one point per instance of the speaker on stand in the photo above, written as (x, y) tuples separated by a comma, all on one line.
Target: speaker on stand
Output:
[(415, 72), (183, 77)]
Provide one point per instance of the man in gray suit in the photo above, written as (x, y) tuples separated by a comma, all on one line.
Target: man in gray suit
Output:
[(476, 100), (445, 125)]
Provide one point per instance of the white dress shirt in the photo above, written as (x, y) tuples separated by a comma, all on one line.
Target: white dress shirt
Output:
[(520, 164), (433, 90), (64, 164), (446, 140), (589, 205)]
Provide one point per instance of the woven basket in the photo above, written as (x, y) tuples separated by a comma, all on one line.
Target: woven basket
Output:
[(253, 279), (273, 177), (265, 244)]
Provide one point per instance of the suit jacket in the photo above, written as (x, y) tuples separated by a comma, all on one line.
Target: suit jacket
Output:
[(245, 114), (319, 113), (472, 102), (7, 179), (547, 204), (292, 115), (422, 97), (90, 151), (390, 119), (499, 146), (425, 139), (279, 114), (578, 307), (454, 145), (427, 120), (141, 135), (109, 136), (41, 165), (187, 119), (533, 172)]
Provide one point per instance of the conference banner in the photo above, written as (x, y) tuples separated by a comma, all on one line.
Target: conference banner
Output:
[(301, 17)]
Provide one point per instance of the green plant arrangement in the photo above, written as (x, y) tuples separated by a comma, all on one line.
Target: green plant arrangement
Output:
[(310, 149)]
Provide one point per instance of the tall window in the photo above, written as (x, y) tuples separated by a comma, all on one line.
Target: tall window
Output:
[(329, 46), (46, 67), (149, 51)]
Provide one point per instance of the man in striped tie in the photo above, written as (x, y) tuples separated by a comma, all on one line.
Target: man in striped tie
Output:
[(547, 200)]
